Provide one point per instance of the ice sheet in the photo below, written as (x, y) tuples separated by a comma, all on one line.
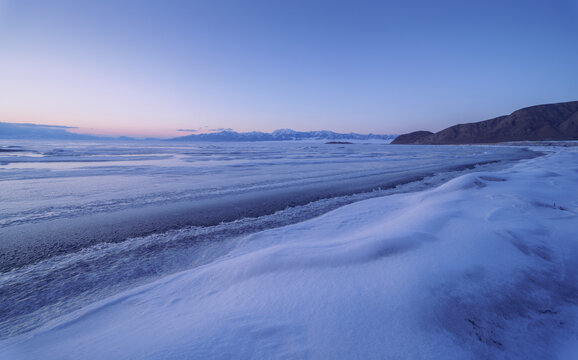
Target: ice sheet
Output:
[(70, 179), (170, 208), (484, 266)]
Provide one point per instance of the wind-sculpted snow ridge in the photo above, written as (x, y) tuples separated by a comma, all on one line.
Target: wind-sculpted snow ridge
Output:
[(482, 267), (33, 295)]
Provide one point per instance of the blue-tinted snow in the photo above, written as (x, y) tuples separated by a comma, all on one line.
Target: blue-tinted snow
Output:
[(484, 266), (69, 180)]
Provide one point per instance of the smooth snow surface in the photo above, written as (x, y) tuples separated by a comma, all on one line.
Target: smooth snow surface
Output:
[(81, 221), (484, 266)]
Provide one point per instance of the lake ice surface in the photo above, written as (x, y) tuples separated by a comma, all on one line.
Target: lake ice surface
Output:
[(70, 181), (65, 179)]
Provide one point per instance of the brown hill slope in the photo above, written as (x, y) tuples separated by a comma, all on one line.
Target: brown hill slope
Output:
[(412, 137), (541, 122)]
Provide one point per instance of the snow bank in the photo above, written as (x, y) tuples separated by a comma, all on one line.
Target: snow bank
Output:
[(485, 266)]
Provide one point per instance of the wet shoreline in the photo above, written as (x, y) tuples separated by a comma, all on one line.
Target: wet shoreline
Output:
[(29, 243)]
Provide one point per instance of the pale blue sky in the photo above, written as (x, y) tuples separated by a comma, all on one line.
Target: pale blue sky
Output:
[(151, 67)]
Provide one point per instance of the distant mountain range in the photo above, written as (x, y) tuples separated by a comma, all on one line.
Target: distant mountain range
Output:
[(536, 123), (281, 135), (557, 121), (18, 131)]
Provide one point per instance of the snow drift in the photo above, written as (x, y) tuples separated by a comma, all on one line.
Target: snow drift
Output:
[(484, 266)]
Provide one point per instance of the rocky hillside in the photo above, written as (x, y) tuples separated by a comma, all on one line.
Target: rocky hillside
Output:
[(412, 137), (542, 122)]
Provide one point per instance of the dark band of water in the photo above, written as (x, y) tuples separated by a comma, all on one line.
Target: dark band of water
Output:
[(28, 243)]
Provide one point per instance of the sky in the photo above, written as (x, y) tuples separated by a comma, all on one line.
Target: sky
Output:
[(149, 68)]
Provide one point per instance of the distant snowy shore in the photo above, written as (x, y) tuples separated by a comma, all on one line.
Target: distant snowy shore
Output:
[(484, 266)]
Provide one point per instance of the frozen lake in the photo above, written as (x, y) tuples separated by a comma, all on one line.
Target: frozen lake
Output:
[(81, 221)]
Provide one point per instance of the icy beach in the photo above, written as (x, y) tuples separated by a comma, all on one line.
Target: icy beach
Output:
[(482, 266), (62, 197)]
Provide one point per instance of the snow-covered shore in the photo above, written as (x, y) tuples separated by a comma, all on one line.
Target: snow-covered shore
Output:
[(484, 266)]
